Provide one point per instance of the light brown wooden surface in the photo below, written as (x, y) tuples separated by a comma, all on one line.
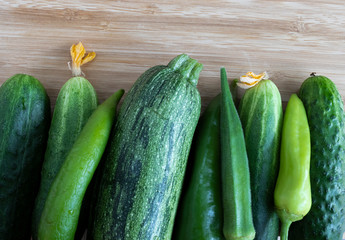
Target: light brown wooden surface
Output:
[(289, 39)]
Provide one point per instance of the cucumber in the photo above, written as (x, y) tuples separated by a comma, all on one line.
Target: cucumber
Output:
[(147, 154), (74, 105), (24, 125), (324, 107), (261, 116)]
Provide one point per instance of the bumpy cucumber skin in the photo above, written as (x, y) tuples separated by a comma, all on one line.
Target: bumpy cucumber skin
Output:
[(24, 126), (74, 105), (261, 116), (324, 107), (146, 158)]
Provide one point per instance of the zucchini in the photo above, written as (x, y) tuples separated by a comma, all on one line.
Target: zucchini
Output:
[(261, 116), (74, 105), (325, 112), (147, 154), (24, 125)]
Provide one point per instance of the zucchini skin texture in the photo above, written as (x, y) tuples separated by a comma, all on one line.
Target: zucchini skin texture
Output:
[(261, 115), (324, 107), (147, 154), (74, 105), (199, 214), (24, 126)]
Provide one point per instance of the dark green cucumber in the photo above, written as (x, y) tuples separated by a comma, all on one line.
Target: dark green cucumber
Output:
[(74, 105), (24, 125), (147, 154), (325, 112), (261, 115)]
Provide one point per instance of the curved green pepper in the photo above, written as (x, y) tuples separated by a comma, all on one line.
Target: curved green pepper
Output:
[(200, 211), (292, 194), (236, 195), (61, 211)]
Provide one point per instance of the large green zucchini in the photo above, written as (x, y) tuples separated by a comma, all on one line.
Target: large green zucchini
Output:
[(74, 105), (147, 154), (261, 115), (24, 125), (325, 112)]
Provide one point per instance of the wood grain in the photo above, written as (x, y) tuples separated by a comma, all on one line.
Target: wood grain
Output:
[(289, 39)]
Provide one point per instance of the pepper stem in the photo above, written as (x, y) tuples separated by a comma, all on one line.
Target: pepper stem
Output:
[(79, 58), (284, 232)]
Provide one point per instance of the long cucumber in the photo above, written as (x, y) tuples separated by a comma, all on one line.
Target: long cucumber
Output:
[(261, 115), (74, 105)]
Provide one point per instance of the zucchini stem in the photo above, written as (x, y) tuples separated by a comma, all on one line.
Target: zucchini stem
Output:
[(188, 67)]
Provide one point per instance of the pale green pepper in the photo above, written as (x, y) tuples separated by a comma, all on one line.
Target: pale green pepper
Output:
[(292, 195)]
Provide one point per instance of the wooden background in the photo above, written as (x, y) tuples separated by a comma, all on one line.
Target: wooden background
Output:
[(289, 39)]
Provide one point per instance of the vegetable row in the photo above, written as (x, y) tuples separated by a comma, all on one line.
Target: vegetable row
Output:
[(155, 170)]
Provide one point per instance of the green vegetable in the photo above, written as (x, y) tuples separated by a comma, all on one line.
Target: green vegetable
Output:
[(200, 210), (292, 195), (61, 211), (233, 90), (324, 107), (147, 155), (74, 105), (236, 195), (261, 116), (24, 125)]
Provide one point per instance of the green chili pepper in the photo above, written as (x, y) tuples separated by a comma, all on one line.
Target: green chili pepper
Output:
[(236, 195), (199, 215), (292, 194), (200, 212), (61, 211)]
